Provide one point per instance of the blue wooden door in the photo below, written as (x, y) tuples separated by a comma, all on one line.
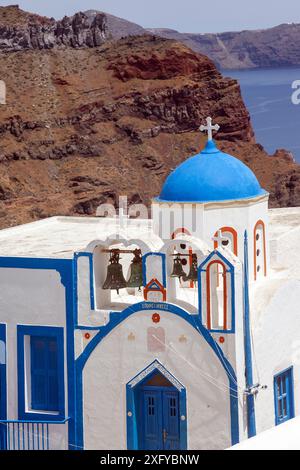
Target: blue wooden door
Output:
[(152, 412), (171, 420), (160, 408)]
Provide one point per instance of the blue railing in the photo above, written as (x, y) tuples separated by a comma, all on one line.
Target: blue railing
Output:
[(26, 435)]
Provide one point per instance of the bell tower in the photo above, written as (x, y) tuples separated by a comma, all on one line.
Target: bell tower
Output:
[(215, 197)]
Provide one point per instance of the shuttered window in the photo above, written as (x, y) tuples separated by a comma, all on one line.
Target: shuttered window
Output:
[(44, 373), (284, 396)]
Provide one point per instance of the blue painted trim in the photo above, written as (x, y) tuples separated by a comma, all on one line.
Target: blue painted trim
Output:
[(219, 255), (289, 374), (65, 267), (60, 265), (164, 275), (88, 328), (58, 333), (247, 341), (132, 402), (194, 320), (3, 378), (178, 385), (70, 328), (91, 275), (154, 286), (3, 391), (202, 268)]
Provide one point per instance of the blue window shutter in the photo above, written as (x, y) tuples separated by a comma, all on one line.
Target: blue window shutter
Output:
[(284, 396), (52, 375), (44, 373), (38, 373)]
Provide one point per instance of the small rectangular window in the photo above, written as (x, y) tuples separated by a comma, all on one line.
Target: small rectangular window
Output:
[(44, 373), (41, 384), (284, 396)]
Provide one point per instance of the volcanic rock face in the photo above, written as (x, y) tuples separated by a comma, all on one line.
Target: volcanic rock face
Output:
[(20, 30), (273, 47), (83, 126)]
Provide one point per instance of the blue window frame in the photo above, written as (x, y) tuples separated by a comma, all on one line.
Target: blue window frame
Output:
[(41, 392), (284, 396)]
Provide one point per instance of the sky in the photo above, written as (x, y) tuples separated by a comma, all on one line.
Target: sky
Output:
[(184, 15)]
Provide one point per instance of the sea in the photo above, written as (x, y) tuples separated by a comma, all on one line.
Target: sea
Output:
[(268, 97)]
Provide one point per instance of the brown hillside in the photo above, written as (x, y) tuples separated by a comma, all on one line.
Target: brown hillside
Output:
[(84, 125)]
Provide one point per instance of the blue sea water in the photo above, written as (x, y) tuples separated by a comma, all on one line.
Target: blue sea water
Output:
[(268, 97)]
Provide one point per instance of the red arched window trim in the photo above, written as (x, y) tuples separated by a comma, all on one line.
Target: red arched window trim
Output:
[(258, 223), (234, 236), (178, 231), (208, 300)]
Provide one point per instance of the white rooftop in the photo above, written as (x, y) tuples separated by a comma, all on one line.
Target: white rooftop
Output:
[(61, 237), (286, 436)]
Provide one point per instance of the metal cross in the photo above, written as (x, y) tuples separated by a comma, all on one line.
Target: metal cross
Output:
[(219, 238), (209, 128)]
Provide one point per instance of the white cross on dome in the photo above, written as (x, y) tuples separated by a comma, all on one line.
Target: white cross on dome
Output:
[(209, 128)]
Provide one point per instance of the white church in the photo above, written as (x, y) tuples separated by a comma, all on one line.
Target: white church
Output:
[(177, 332)]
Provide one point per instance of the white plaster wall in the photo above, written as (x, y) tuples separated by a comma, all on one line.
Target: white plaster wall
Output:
[(167, 218), (241, 218), (276, 348), (30, 297), (117, 359), (283, 251), (83, 288), (204, 220)]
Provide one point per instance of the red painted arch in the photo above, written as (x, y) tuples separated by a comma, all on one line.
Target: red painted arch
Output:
[(234, 236), (258, 223), (179, 231)]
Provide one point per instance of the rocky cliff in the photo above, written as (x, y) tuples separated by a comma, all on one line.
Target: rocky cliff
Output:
[(83, 125), (20, 30), (273, 47)]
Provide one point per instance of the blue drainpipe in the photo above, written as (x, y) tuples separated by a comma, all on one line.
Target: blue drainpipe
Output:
[(247, 339)]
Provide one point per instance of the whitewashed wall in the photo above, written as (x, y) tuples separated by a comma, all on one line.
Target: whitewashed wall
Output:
[(210, 217), (119, 357), (277, 346)]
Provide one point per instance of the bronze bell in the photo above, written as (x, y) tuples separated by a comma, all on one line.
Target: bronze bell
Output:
[(193, 274), (177, 268), (136, 271), (114, 279)]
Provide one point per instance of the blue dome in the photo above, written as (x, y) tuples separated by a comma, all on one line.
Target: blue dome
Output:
[(210, 176)]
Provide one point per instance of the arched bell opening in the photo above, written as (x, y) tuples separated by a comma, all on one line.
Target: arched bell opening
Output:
[(182, 260), (216, 293), (216, 296), (118, 274)]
